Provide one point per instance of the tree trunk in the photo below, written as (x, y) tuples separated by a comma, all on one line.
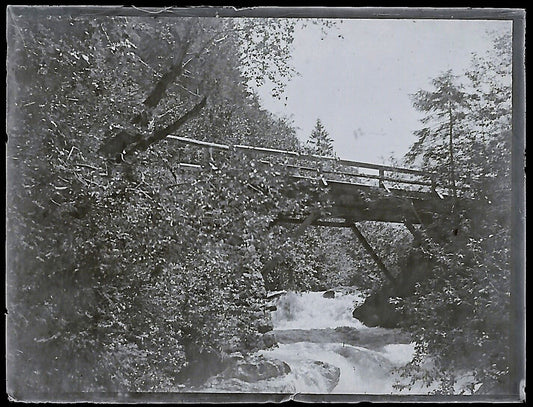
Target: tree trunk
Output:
[(162, 133), (452, 164)]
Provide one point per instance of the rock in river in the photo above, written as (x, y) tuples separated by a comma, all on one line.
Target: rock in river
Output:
[(329, 294), (250, 374), (330, 373), (256, 370)]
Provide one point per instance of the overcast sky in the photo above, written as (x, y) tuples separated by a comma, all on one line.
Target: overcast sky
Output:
[(359, 85)]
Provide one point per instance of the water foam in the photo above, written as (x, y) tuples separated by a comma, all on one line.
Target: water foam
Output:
[(362, 370), (312, 311)]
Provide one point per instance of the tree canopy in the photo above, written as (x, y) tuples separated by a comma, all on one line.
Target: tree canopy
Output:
[(460, 313), (319, 142)]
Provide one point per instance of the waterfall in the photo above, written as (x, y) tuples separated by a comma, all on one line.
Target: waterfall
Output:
[(327, 350), (314, 329), (311, 310)]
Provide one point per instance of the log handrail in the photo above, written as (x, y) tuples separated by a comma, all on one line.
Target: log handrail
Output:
[(349, 163)]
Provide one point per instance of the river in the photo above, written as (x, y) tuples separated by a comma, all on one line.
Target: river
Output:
[(327, 350), (312, 328)]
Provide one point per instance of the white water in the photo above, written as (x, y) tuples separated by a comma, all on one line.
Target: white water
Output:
[(311, 310), (362, 370), (328, 350)]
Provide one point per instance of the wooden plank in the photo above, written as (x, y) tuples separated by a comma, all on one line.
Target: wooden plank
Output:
[(330, 223), (200, 143), (372, 253), (361, 175), (380, 177), (344, 187), (370, 176), (191, 166), (348, 163), (265, 150), (348, 183), (361, 164)]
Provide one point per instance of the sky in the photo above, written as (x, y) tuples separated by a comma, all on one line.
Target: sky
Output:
[(359, 77)]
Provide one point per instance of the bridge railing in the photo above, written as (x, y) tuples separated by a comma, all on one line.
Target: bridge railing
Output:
[(332, 169), (384, 176)]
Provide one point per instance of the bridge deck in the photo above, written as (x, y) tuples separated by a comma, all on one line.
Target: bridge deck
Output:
[(401, 194), (354, 202)]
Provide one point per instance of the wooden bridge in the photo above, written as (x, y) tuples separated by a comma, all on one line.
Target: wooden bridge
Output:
[(358, 191)]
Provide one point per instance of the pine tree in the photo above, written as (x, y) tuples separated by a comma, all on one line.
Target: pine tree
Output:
[(320, 142), (445, 108)]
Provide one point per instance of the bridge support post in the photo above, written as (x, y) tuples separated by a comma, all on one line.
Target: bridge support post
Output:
[(381, 176), (415, 211), (372, 253), (416, 234)]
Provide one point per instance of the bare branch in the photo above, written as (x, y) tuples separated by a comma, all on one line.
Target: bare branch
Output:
[(159, 135)]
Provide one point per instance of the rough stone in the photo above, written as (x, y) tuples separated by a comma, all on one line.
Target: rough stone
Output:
[(265, 326), (257, 369), (269, 340), (330, 373), (329, 294)]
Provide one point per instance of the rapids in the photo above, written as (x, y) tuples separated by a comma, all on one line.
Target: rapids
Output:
[(311, 310), (312, 328), (327, 350)]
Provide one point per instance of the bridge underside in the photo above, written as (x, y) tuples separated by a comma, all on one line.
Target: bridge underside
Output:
[(355, 203)]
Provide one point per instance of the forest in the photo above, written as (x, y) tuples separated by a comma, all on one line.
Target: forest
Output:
[(127, 271)]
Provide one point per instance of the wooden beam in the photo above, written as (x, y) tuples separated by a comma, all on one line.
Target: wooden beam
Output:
[(348, 163), (199, 143), (313, 216), (416, 234), (415, 211), (265, 150), (358, 175), (380, 177), (372, 253), (331, 223)]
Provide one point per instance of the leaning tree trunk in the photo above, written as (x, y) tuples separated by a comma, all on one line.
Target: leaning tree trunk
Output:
[(450, 147)]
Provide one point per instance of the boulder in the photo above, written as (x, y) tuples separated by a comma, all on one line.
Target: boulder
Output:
[(234, 357), (271, 307), (330, 373), (265, 327), (218, 384), (201, 366), (379, 308), (329, 294), (378, 311), (256, 369), (269, 340)]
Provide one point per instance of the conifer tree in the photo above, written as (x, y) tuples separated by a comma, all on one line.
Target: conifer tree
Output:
[(320, 142)]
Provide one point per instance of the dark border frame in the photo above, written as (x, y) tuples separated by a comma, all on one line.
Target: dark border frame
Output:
[(518, 231)]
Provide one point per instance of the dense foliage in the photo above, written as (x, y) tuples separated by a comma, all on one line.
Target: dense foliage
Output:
[(124, 267), (459, 313)]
